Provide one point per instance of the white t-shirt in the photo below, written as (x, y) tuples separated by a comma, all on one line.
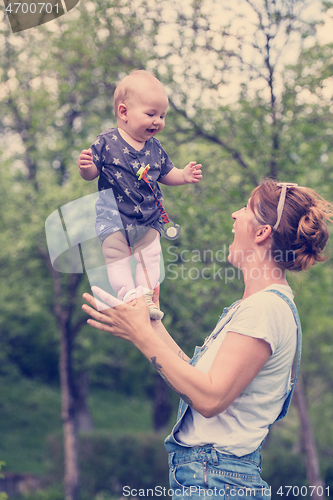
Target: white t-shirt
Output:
[(240, 429)]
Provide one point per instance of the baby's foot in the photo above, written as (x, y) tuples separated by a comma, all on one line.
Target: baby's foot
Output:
[(154, 311), (131, 295)]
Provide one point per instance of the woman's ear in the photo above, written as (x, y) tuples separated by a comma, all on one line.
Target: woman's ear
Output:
[(263, 233), (122, 112)]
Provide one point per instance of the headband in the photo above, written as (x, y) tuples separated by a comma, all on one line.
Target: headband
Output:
[(282, 200)]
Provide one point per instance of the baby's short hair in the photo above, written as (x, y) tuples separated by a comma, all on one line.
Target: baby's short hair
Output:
[(130, 84)]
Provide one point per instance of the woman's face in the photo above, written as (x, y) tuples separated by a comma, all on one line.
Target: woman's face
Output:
[(242, 248)]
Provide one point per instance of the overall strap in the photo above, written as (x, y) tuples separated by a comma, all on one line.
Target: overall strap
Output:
[(222, 322), (298, 351)]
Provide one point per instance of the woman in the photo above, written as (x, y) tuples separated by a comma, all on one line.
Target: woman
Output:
[(239, 382)]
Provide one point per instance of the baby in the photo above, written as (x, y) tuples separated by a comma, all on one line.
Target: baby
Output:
[(128, 209)]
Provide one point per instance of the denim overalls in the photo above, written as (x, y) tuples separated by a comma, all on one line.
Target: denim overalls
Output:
[(203, 471)]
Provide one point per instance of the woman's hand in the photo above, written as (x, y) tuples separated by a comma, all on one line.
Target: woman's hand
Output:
[(155, 297), (124, 320)]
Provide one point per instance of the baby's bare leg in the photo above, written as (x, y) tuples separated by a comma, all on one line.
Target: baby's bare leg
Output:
[(147, 254), (117, 255)]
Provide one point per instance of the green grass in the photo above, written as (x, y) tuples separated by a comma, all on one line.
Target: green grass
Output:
[(116, 412), (30, 412)]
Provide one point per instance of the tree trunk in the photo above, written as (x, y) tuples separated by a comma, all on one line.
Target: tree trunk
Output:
[(83, 415), (64, 303), (308, 441), (69, 417), (64, 306), (162, 405)]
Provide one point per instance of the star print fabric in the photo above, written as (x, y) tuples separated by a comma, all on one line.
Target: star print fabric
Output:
[(124, 201)]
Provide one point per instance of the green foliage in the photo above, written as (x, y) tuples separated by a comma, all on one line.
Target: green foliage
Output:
[(283, 466), (3, 495), (110, 462), (52, 493)]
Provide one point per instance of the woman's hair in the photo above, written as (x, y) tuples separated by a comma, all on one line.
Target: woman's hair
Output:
[(301, 235)]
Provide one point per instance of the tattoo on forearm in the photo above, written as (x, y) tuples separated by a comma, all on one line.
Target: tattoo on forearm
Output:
[(158, 367)]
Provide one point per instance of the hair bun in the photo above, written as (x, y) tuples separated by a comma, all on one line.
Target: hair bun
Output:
[(312, 236)]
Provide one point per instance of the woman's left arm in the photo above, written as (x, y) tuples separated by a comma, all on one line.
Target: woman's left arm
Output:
[(237, 362)]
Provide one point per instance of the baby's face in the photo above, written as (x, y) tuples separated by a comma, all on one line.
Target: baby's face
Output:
[(146, 112)]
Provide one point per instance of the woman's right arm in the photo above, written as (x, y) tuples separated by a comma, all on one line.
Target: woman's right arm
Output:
[(238, 361), (164, 335)]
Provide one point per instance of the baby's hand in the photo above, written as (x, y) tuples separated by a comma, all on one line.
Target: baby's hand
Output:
[(85, 161), (192, 172)]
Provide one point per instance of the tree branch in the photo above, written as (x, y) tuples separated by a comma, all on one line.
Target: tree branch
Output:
[(236, 155)]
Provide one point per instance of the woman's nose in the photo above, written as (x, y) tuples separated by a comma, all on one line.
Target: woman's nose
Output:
[(235, 214)]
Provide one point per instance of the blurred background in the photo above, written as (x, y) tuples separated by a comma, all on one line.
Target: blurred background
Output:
[(250, 88)]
